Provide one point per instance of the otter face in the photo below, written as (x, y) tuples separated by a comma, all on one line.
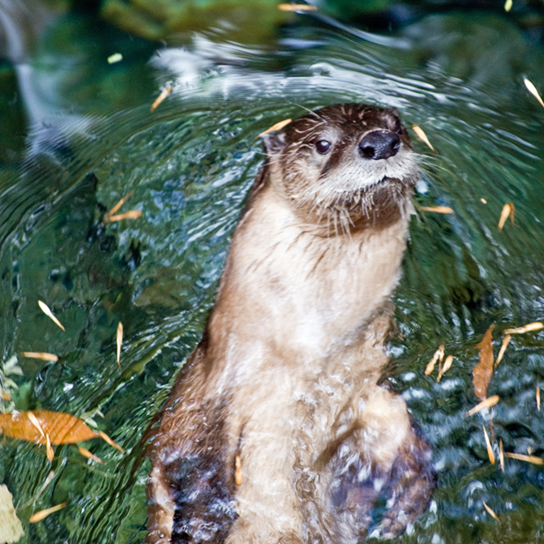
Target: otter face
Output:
[(350, 160)]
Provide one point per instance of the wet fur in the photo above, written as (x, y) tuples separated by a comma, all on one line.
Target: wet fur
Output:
[(286, 376)]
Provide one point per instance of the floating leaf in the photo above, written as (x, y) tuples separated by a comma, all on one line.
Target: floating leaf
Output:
[(508, 5), (38, 516), (422, 136), (164, 93), (45, 309), (445, 368), (487, 403), (490, 453), (491, 513), (527, 458), (86, 453), (119, 342), (131, 214), (40, 355), (5, 396), (438, 355), (107, 439), (532, 89), (61, 428), (238, 470), (501, 455), (11, 529), (437, 209), (277, 126), (482, 372), (483, 200), (526, 328), (507, 211), (504, 345), (296, 7), (538, 396), (116, 208)]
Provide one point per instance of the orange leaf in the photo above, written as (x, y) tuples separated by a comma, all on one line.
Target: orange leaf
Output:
[(164, 93), (86, 453), (491, 513), (527, 458), (107, 439), (277, 126), (38, 516), (486, 403), (482, 372), (436, 209), (61, 428)]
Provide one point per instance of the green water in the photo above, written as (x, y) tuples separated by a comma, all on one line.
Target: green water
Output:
[(190, 165)]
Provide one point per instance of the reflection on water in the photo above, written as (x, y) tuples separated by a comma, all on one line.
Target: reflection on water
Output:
[(189, 165)]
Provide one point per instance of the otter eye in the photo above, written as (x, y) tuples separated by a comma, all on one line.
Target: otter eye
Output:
[(323, 147)]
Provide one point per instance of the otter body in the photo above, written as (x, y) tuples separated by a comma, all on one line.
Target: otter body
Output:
[(277, 430)]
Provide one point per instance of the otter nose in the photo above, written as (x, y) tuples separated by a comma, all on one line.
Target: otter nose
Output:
[(379, 144)]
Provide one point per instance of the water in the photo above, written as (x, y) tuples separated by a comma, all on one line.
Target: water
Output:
[(190, 165)]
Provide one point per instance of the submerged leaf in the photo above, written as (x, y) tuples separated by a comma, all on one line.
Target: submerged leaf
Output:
[(33, 426), (483, 371)]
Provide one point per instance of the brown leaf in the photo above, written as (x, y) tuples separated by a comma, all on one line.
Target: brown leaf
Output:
[(482, 372), (131, 214), (107, 439), (491, 513), (61, 428), (490, 453), (86, 453), (42, 514), (445, 368), (438, 356), (504, 345), (487, 403)]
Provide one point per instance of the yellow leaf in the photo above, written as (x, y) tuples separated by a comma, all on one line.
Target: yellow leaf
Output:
[(526, 328), (40, 355), (436, 209), (532, 89), (504, 345), (86, 453), (131, 214), (45, 309), (296, 7), (491, 513), (119, 342), (487, 403), (107, 439), (527, 458), (445, 368), (438, 356), (501, 455), (38, 516), (164, 93), (33, 426), (422, 136), (490, 453)]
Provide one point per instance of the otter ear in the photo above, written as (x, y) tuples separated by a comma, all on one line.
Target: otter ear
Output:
[(274, 143)]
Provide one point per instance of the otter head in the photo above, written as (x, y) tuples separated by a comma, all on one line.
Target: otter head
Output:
[(348, 165)]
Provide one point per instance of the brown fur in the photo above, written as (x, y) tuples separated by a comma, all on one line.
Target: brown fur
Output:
[(286, 376)]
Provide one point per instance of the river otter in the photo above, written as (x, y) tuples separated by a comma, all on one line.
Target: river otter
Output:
[(277, 430)]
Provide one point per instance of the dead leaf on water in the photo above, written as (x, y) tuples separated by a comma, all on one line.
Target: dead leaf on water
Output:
[(491, 513), (40, 355), (531, 327), (45, 309), (107, 439), (437, 209), (117, 207), (508, 210), (420, 133), (296, 7), (527, 458), (86, 453), (538, 396), (119, 342), (508, 5), (438, 355), (490, 453), (277, 126), (504, 345), (501, 455), (164, 93), (483, 371), (38, 516), (532, 89), (238, 470), (445, 368), (33, 426), (131, 214), (487, 403), (11, 529)]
